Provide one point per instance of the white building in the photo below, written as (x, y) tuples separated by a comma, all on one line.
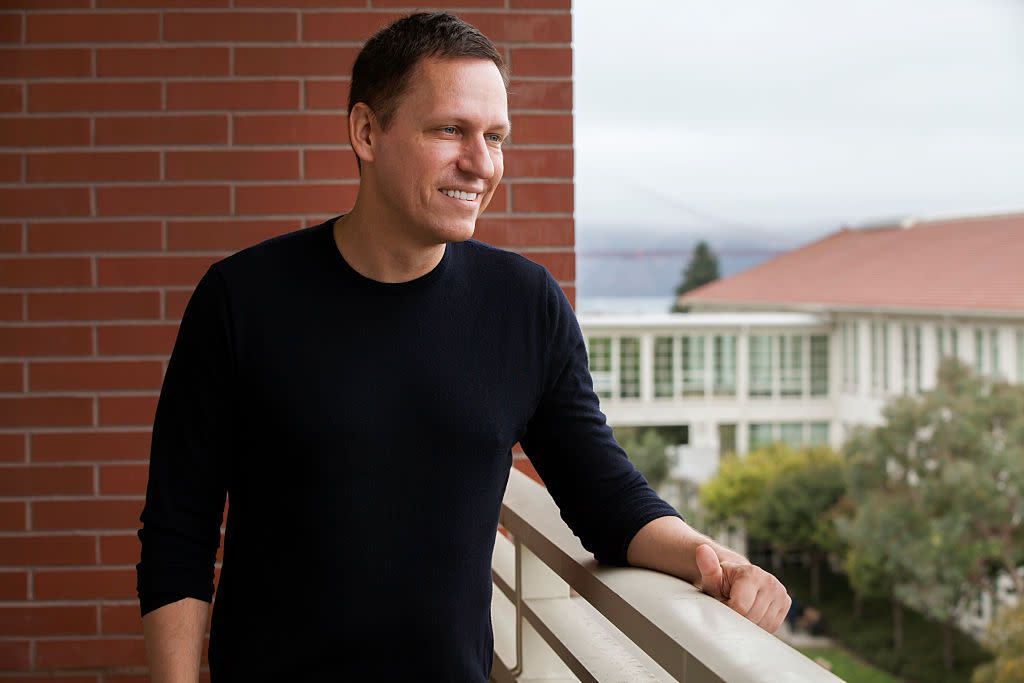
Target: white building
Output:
[(804, 346)]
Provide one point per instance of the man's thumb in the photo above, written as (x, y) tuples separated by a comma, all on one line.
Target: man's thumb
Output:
[(710, 570)]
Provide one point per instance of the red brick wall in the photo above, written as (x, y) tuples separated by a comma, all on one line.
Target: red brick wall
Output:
[(140, 140)]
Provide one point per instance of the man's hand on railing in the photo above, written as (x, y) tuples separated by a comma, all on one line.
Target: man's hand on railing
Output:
[(745, 587), (670, 545)]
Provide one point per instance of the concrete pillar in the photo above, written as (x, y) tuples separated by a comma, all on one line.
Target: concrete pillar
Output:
[(895, 358), (863, 331), (742, 371), (647, 367), (929, 356)]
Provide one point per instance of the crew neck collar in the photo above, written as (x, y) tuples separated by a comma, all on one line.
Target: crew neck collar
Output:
[(357, 278)]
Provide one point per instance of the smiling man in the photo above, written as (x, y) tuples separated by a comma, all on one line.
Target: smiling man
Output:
[(355, 388)]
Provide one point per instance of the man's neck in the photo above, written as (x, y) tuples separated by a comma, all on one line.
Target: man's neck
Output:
[(374, 249)]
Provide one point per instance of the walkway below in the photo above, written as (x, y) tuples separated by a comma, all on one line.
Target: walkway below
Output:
[(800, 639)]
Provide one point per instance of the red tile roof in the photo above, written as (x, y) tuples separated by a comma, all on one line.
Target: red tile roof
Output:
[(965, 264)]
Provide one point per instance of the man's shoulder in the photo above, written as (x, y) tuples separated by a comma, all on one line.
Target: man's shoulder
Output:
[(274, 254)]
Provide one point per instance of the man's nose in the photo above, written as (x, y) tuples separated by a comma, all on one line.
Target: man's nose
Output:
[(476, 158)]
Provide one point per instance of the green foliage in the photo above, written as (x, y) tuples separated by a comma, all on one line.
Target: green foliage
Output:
[(734, 491), (702, 269), (871, 542), (792, 510), (782, 494), (938, 494), (1005, 639)]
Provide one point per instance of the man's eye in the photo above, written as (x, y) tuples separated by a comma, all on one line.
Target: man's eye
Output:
[(452, 130), (496, 138)]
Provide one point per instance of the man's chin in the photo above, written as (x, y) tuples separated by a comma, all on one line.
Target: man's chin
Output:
[(453, 230), (464, 231)]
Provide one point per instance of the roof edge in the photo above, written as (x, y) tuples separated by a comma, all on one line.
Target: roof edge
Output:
[(821, 308)]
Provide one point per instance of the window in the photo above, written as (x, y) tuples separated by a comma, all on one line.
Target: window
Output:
[(760, 365), (792, 433), (693, 365), (993, 352), (819, 433), (726, 438), (856, 355), (879, 357), (629, 367), (948, 341), (760, 435), (905, 356), (986, 352), (846, 355), (1020, 356), (791, 365), (819, 365), (725, 364), (601, 365), (663, 354), (917, 357), (979, 352)]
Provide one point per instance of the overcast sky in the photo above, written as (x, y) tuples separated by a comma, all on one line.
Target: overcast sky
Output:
[(774, 120)]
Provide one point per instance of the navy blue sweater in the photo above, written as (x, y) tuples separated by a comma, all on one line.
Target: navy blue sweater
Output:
[(363, 432)]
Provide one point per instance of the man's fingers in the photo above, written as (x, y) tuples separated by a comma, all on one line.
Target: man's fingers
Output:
[(771, 619), (747, 589), (761, 607), (755, 594), (776, 612), (787, 602), (743, 595)]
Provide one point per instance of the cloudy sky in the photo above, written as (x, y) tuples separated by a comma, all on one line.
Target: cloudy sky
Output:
[(769, 120)]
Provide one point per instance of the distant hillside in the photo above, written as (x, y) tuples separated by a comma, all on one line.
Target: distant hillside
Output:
[(636, 263), (649, 276)]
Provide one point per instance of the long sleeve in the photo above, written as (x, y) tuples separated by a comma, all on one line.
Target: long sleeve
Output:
[(601, 495), (189, 455)]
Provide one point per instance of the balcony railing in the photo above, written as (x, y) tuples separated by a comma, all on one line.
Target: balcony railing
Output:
[(619, 623)]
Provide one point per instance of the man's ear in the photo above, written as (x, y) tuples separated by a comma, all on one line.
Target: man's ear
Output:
[(362, 131)]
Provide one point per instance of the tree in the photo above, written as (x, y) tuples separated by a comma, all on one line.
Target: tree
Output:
[(736, 489), (792, 511), (1005, 638), (872, 534), (702, 269), (939, 492)]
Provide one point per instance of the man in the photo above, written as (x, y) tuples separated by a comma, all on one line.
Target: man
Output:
[(358, 386)]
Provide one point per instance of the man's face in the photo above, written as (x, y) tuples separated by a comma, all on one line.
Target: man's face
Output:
[(445, 137)]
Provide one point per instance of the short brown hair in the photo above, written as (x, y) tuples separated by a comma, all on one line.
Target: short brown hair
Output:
[(380, 75)]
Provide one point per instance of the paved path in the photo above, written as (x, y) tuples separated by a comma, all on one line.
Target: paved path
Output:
[(801, 639)]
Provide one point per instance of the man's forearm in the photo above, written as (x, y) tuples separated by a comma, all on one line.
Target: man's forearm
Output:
[(174, 640), (668, 544)]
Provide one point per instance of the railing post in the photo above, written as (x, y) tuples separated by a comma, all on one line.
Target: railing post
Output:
[(535, 580)]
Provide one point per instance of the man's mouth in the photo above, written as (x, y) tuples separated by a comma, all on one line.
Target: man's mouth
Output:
[(459, 194)]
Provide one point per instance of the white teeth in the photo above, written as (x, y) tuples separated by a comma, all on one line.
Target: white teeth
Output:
[(458, 194)]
